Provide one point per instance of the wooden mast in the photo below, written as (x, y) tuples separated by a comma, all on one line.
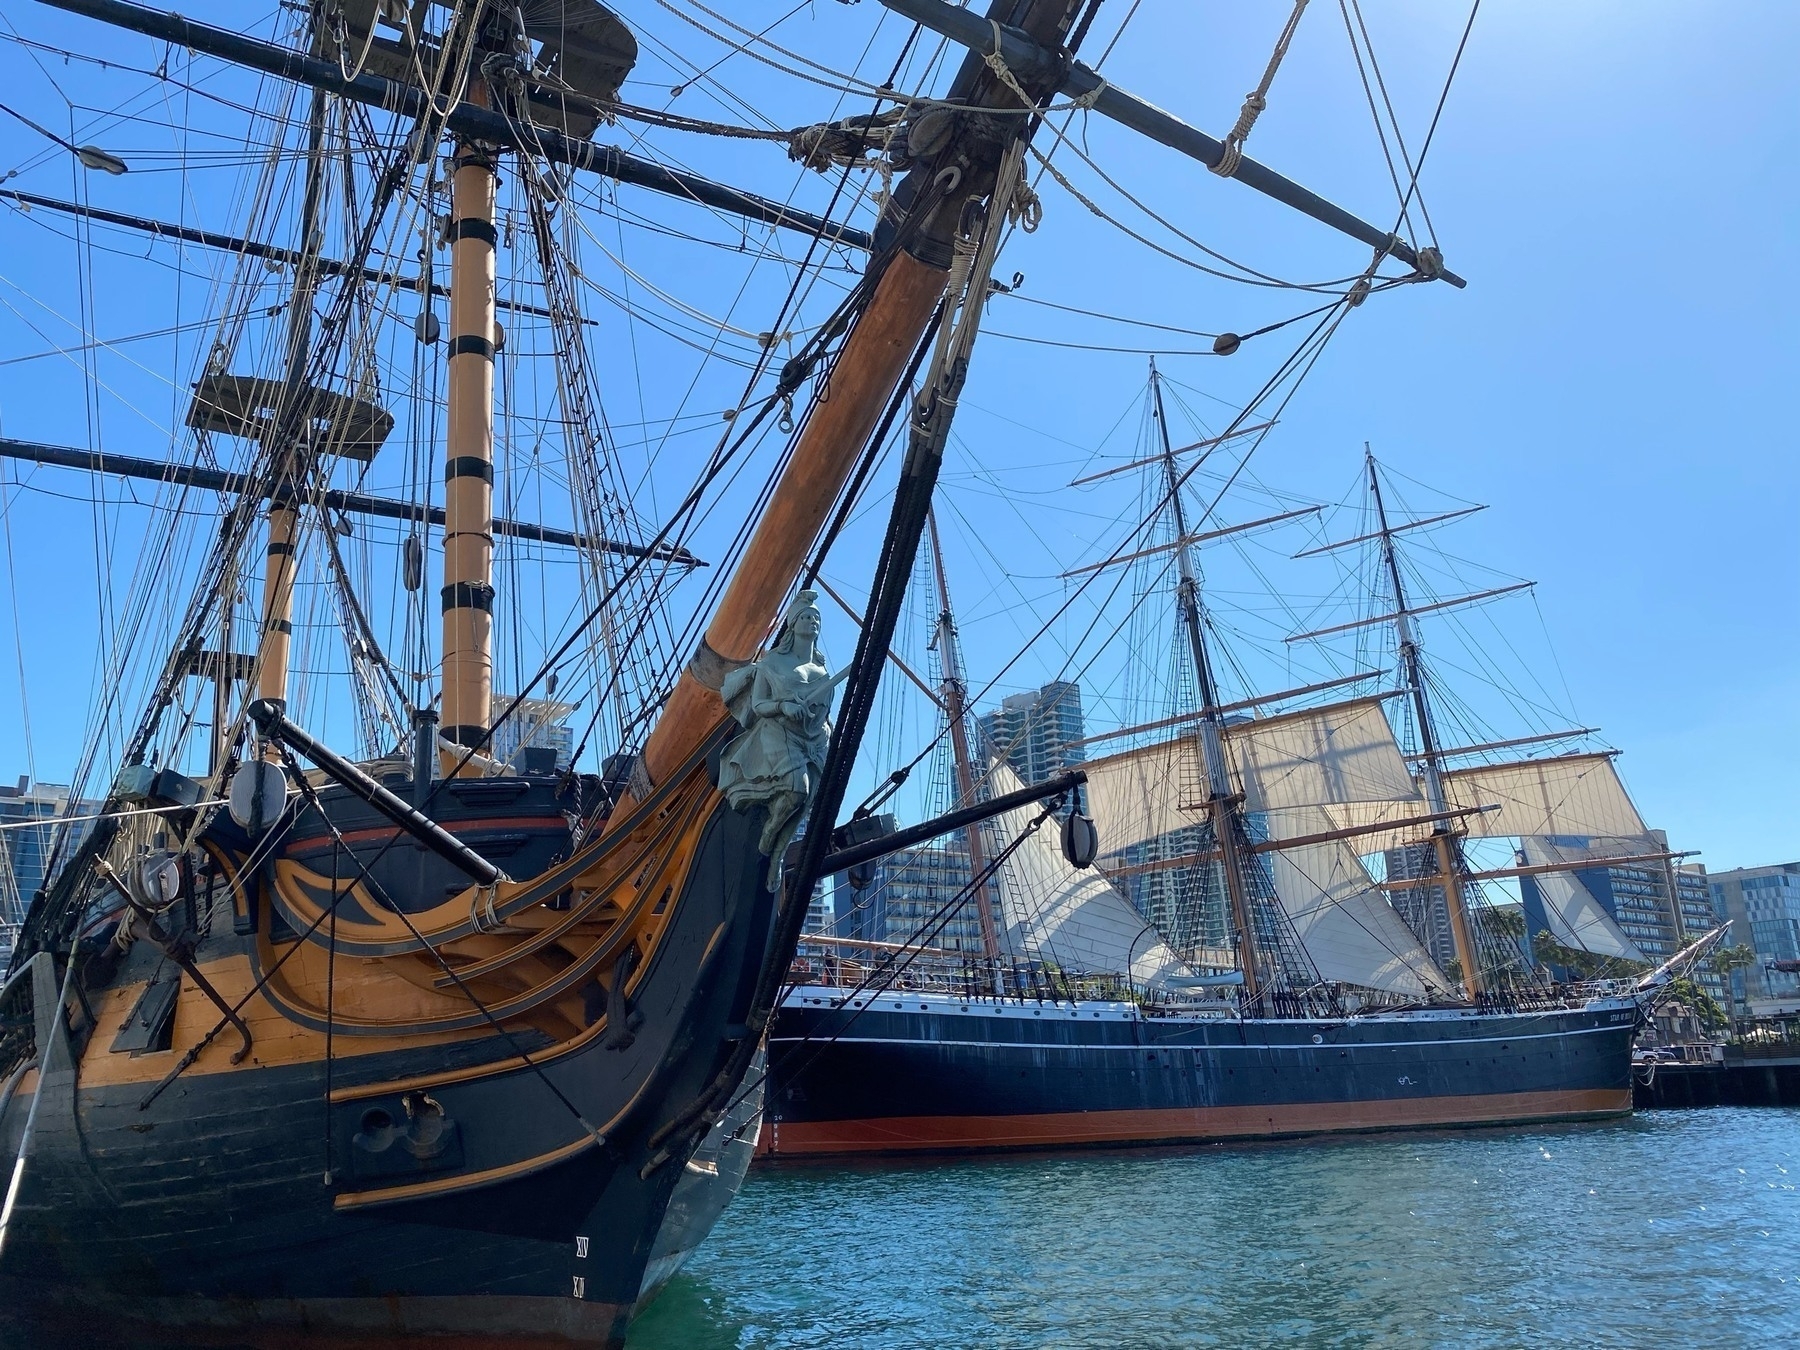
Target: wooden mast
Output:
[(1430, 757), (873, 358), (224, 683), (275, 643), (926, 211), (953, 693), (468, 593), (1220, 799), (277, 639)]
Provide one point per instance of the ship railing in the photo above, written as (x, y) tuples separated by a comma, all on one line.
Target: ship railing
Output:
[(873, 967), (1571, 996)]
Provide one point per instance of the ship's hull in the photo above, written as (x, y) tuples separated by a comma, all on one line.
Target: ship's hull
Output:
[(922, 1073), (709, 1182), (238, 1208)]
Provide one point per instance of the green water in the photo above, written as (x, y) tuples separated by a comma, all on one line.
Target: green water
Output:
[(1671, 1228)]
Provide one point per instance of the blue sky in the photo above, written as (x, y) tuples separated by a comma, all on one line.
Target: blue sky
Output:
[(1615, 180)]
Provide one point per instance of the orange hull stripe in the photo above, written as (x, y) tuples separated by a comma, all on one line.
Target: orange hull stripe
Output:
[(901, 1134)]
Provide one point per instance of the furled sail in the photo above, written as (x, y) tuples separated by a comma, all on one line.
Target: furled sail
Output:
[(1065, 914), (1576, 918), (1349, 930), (1341, 753)]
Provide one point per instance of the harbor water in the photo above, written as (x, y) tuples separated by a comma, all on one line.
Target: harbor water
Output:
[(1671, 1227)]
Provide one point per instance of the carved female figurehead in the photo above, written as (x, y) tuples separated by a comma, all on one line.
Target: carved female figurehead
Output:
[(782, 701)]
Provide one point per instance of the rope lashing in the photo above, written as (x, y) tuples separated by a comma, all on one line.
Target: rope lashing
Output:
[(997, 63), (859, 142), (1256, 100), (482, 912), (1026, 209)]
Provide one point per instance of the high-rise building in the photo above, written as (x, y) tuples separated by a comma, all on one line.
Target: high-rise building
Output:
[(1423, 907), (859, 913), (820, 914), (1036, 733), (1699, 915), (906, 895), (1658, 919), (1763, 904), (1185, 901), (1637, 898), (540, 723), (27, 849)]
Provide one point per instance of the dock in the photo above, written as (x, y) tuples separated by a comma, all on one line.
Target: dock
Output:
[(1743, 1075)]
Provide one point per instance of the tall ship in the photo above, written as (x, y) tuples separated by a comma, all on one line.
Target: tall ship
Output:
[(382, 1020), (1321, 1006), (371, 1006)]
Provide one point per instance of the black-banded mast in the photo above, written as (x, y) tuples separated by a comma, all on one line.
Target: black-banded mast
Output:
[(953, 691), (468, 592), (1430, 757), (1222, 801)]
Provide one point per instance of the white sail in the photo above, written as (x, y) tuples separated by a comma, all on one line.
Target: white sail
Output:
[(1341, 753), (1144, 794), (1578, 796), (1345, 923), (1069, 915), (1576, 918)]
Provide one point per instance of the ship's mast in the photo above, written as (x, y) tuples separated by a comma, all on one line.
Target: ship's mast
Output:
[(468, 595), (1444, 842), (1222, 801), (953, 692), (277, 637)]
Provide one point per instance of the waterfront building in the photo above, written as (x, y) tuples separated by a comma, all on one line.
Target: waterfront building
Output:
[(1700, 914), (537, 723), (821, 921), (1185, 902), (1036, 733), (1763, 904), (858, 913)]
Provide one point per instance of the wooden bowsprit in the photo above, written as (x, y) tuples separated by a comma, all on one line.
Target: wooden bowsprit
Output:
[(1031, 59)]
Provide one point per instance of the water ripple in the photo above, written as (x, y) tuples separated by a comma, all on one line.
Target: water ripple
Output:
[(1666, 1228)]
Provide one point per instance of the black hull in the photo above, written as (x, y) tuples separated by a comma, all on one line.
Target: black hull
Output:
[(710, 1181), (912, 1073), (237, 1209)]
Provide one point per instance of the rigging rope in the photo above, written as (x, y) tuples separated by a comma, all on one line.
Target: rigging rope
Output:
[(1257, 99)]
